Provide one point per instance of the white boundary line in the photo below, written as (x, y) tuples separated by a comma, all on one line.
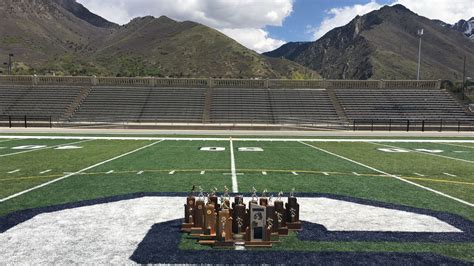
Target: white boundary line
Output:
[(45, 148), (235, 184), (75, 173), (390, 175), (247, 139), (426, 153)]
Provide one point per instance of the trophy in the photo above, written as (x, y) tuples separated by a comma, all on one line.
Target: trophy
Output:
[(263, 198), (280, 215), (254, 196), (189, 211), (293, 212), (198, 216)]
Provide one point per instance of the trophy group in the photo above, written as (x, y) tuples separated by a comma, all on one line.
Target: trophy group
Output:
[(214, 221)]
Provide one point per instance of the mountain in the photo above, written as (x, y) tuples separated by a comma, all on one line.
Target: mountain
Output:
[(465, 27), (383, 44), (64, 37)]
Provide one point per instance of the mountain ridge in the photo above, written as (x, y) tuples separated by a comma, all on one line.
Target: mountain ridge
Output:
[(383, 44)]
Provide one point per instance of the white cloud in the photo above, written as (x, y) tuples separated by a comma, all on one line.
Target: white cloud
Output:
[(338, 17), (450, 11), (255, 39), (243, 20)]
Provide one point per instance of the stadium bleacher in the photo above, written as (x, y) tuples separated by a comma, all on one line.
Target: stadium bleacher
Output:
[(272, 106), (421, 104)]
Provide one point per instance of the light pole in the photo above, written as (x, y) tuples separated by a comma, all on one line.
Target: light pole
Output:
[(10, 68), (420, 34)]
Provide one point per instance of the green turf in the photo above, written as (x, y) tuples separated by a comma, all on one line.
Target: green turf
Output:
[(279, 160)]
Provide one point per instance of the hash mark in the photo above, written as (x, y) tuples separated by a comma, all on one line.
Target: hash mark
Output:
[(357, 174), (326, 174), (45, 171), (109, 172), (294, 173), (139, 173), (419, 174), (448, 174), (14, 171), (264, 173), (203, 172), (172, 172)]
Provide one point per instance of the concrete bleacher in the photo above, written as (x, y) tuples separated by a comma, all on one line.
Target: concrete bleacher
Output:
[(142, 105), (48, 101), (271, 106), (399, 104)]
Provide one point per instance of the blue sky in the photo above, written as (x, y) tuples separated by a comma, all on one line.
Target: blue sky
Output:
[(308, 13), (264, 25)]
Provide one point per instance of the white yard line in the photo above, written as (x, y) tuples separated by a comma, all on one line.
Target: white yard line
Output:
[(45, 148), (457, 145), (78, 172), (45, 171), (235, 184), (422, 152), (390, 175), (246, 139), (451, 175)]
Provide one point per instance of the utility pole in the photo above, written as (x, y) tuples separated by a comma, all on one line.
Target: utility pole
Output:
[(420, 34), (10, 66), (464, 79)]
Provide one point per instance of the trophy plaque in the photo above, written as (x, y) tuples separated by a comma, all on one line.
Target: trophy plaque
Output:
[(280, 214), (189, 212), (293, 212), (258, 225)]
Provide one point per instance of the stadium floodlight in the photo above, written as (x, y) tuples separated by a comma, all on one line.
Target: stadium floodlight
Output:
[(420, 34)]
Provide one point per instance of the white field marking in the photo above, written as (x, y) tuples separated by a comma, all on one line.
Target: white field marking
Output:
[(245, 139), (78, 172), (357, 174), (451, 175), (460, 151), (457, 145), (233, 174), (427, 153), (294, 173), (419, 174), (45, 171), (203, 172), (326, 174), (139, 173), (390, 175), (109, 172), (235, 184), (14, 171), (264, 173), (172, 172), (52, 147)]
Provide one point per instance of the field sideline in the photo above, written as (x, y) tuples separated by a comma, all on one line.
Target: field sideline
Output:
[(429, 174)]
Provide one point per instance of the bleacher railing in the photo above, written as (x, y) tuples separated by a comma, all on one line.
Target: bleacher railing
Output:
[(412, 125), (215, 83)]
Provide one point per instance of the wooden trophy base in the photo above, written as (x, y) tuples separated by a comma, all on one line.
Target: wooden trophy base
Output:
[(223, 244), (283, 231), (258, 244), (186, 227), (196, 231), (294, 226), (207, 242), (207, 237)]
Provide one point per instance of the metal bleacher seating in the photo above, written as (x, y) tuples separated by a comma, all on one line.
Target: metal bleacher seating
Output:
[(271, 106), (398, 104), (142, 105), (20, 101)]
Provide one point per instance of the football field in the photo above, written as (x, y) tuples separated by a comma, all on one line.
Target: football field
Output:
[(436, 175)]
